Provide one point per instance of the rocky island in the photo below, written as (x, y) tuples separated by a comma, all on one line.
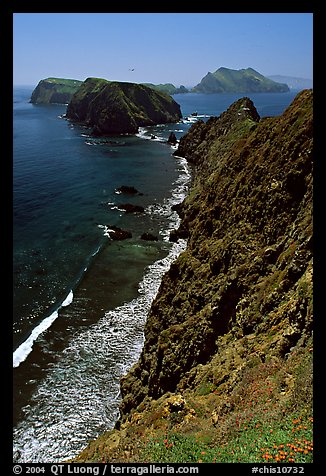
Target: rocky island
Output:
[(225, 80), (55, 91), (168, 88), (112, 107), (225, 374)]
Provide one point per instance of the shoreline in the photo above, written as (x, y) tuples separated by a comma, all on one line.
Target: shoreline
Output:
[(109, 327)]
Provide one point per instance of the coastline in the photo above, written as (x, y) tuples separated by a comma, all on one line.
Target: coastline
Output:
[(225, 373), (98, 340), (71, 315)]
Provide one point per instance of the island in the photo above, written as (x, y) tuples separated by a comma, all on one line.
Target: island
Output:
[(113, 107), (226, 80), (167, 88), (55, 91)]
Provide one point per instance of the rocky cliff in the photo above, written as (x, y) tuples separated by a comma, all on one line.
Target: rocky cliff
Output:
[(225, 80), (226, 369), (55, 91), (112, 107)]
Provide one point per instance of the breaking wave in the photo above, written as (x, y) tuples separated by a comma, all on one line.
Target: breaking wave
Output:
[(79, 397)]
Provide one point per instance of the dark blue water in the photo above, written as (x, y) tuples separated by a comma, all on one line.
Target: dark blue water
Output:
[(80, 299)]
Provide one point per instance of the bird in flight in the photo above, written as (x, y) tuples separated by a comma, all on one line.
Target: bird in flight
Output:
[(131, 69)]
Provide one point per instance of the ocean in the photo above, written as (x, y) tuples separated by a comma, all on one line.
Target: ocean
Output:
[(80, 298)]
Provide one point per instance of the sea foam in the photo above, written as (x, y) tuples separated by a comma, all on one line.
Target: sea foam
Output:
[(79, 397), (23, 351)]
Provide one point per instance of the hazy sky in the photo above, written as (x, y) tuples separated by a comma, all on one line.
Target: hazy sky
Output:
[(178, 48)]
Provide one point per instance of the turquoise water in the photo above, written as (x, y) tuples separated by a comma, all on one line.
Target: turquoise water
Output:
[(80, 299)]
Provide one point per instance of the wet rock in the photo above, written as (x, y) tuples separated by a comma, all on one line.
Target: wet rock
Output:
[(118, 234), (174, 236), (127, 190), (129, 208), (172, 139), (148, 237)]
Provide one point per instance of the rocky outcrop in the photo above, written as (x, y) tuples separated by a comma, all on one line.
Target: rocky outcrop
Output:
[(172, 139), (55, 91), (193, 146), (225, 80), (148, 237), (127, 190), (120, 108), (228, 340), (118, 234), (130, 208)]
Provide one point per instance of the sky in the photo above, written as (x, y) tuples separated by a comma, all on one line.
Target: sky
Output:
[(178, 48)]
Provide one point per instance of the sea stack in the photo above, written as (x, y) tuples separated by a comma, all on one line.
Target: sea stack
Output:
[(112, 107)]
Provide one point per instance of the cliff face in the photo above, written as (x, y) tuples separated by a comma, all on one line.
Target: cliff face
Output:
[(55, 91), (225, 80), (228, 339), (116, 107), (248, 222)]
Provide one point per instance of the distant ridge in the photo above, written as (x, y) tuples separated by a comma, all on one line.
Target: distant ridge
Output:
[(293, 82), (226, 80)]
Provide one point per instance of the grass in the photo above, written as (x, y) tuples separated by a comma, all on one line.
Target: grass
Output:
[(274, 441), (267, 418)]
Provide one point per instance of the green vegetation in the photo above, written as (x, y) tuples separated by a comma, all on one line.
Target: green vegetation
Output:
[(266, 418), (291, 442), (167, 88), (55, 91), (225, 80)]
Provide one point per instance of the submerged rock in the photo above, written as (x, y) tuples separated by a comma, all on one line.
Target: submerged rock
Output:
[(129, 208), (148, 237), (127, 190)]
